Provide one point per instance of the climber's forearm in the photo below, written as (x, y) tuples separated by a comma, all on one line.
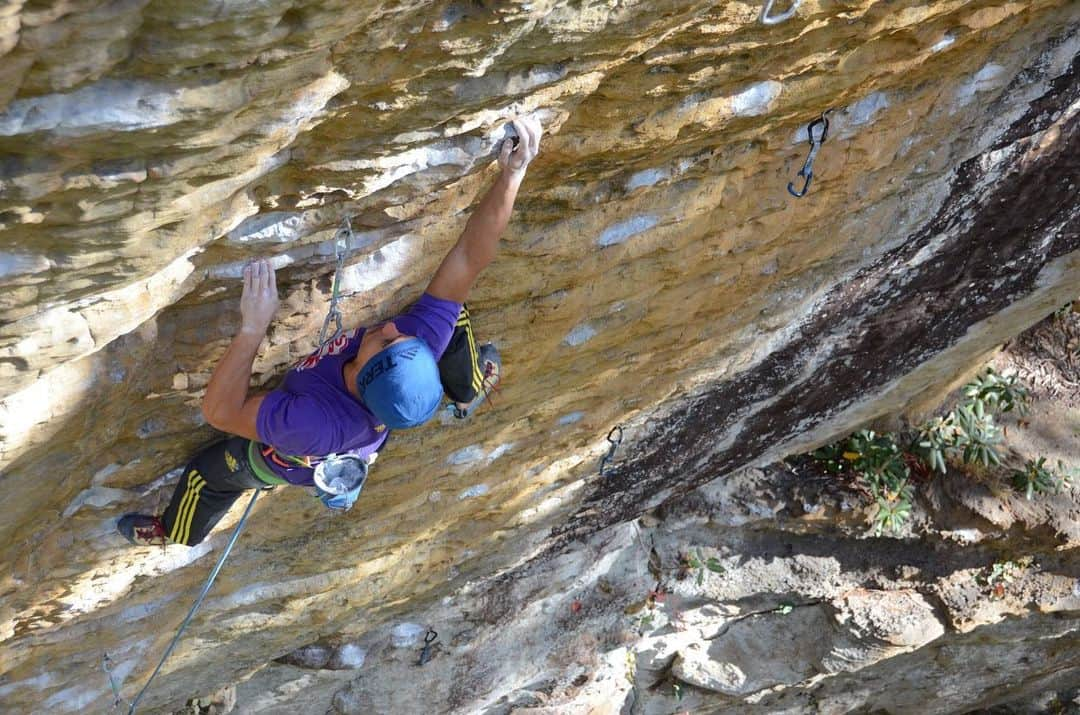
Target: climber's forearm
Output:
[(475, 249), (226, 404), (480, 239)]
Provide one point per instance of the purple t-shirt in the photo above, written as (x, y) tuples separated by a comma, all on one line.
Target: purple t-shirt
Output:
[(313, 414)]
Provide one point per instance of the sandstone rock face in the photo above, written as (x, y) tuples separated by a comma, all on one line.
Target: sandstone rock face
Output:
[(657, 274)]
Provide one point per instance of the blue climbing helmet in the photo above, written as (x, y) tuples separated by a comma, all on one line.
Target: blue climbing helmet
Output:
[(401, 385)]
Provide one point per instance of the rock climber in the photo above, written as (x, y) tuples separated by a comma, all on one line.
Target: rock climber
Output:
[(336, 407)]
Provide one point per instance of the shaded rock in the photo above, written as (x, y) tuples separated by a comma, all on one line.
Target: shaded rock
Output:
[(741, 660), (312, 656)]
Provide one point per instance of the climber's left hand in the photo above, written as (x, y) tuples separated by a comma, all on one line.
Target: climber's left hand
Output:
[(259, 301)]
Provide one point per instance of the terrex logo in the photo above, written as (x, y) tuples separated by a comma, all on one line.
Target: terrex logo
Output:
[(380, 365), (383, 364)]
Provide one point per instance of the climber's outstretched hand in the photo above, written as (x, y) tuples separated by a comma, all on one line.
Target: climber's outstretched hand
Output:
[(259, 301), (516, 159)]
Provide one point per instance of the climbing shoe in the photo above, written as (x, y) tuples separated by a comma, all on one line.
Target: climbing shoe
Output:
[(142, 530), (490, 367)]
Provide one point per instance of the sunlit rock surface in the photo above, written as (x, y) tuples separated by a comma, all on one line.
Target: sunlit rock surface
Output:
[(657, 274)]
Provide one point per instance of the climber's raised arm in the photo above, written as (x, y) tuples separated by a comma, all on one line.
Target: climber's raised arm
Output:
[(227, 405), (476, 247)]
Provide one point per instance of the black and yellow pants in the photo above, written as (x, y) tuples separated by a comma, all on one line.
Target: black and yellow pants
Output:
[(211, 482), (460, 371), (222, 472)]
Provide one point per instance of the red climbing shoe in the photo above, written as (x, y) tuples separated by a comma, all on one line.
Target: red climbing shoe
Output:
[(491, 365), (142, 530)]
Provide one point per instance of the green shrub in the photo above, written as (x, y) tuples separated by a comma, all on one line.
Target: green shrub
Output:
[(967, 434), (879, 461), (998, 393), (934, 440), (696, 563), (878, 464), (1035, 478), (893, 511), (976, 435)]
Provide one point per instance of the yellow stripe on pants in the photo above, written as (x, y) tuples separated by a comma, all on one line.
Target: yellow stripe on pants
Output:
[(191, 511), (474, 358), (187, 506), (175, 532)]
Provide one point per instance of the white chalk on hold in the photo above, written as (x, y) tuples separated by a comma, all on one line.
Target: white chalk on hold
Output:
[(580, 335), (756, 99), (106, 105), (271, 227), (477, 490), (944, 42), (466, 455), (864, 110), (406, 635), (348, 657), (104, 473), (384, 265), (646, 177), (96, 497), (279, 261), (987, 78), (625, 229), (15, 264), (500, 451), (767, 18)]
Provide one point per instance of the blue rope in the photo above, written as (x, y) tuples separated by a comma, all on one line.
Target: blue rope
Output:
[(198, 601)]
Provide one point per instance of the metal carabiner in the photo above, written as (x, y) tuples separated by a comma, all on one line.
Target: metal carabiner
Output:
[(614, 446), (425, 652), (823, 122), (807, 172), (766, 20), (808, 175)]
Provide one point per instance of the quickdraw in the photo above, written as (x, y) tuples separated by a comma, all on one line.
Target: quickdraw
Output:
[(342, 239), (807, 172), (425, 652), (107, 666), (611, 450)]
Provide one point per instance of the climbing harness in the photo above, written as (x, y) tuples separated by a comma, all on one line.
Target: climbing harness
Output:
[(807, 172), (342, 238), (777, 19), (425, 652), (611, 450), (198, 602), (107, 666)]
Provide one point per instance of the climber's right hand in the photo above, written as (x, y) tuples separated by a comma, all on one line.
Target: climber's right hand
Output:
[(259, 301), (516, 155)]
